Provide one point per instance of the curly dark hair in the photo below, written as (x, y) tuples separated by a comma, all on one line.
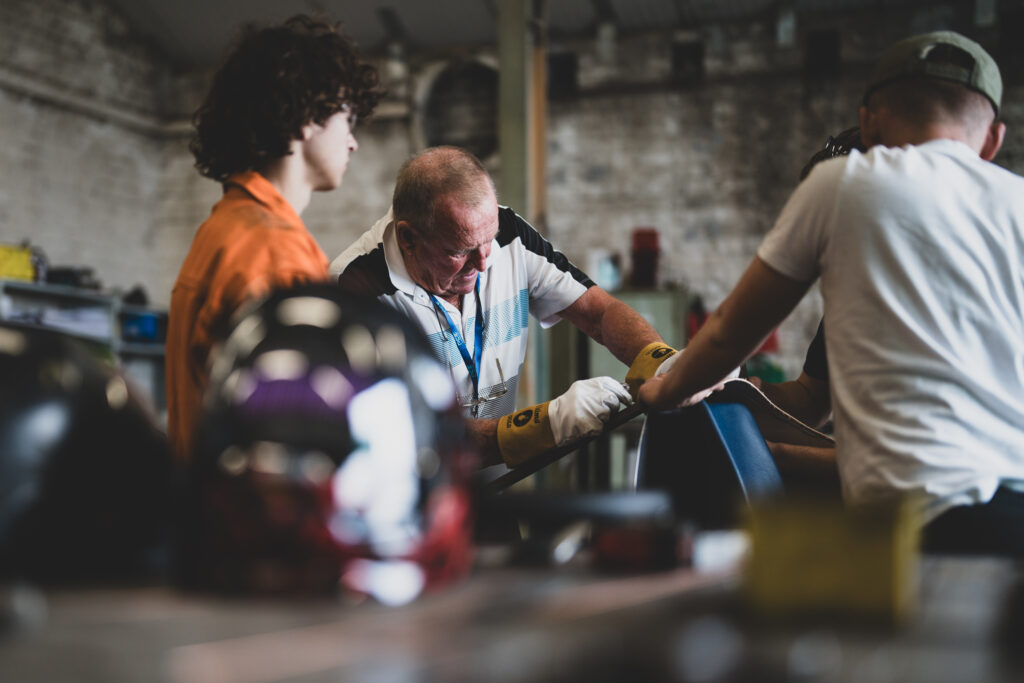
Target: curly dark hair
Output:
[(276, 81)]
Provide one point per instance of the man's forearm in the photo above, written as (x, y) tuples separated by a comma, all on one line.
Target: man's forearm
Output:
[(807, 467), (709, 358), (611, 322), (807, 399), (791, 457), (761, 300), (624, 332)]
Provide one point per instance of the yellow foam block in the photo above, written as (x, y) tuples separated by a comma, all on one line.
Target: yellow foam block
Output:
[(16, 263), (810, 555)]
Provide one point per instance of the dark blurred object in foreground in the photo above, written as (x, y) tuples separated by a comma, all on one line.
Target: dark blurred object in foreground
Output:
[(626, 531), (331, 451), (84, 474)]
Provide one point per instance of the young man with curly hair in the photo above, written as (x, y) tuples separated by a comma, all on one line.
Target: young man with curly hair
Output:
[(275, 127)]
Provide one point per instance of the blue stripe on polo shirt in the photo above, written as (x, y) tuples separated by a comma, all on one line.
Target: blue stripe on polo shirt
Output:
[(444, 351), (506, 321), (503, 322)]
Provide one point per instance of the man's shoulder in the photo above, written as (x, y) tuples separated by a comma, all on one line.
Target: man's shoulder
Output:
[(1005, 178), (240, 233), (522, 242), (515, 232), (512, 226), (936, 167), (367, 274), (366, 244)]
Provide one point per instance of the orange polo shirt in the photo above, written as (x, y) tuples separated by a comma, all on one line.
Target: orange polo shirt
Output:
[(252, 242)]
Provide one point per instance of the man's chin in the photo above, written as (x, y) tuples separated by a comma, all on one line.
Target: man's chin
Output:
[(459, 288)]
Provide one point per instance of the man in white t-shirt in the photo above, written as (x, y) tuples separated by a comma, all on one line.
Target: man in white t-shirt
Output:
[(470, 273), (919, 245)]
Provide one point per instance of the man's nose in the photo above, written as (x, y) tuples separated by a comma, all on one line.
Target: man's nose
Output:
[(353, 144), (480, 257)]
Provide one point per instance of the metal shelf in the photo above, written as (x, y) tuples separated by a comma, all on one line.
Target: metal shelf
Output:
[(42, 290), (21, 324), (96, 318), (155, 350)]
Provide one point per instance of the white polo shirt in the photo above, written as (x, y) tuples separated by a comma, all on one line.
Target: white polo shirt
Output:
[(524, 275)]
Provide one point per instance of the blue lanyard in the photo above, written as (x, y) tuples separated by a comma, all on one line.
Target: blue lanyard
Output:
[(472, 364)]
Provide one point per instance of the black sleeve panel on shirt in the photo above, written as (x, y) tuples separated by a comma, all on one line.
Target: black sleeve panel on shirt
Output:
[(367, 275), (511, 225), (816, 362)]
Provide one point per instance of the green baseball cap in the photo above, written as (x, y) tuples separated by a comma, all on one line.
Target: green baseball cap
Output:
[(942, 54)]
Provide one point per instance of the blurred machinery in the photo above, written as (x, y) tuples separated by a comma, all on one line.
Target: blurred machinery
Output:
[(85, 475)]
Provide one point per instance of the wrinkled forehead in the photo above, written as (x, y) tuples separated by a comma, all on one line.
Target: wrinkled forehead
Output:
[(461, 225)]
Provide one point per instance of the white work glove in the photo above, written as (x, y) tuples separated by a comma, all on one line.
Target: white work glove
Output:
[(671, 360), (666, 365), (585, 407)]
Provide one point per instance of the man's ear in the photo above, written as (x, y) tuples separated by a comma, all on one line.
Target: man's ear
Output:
[(993, 140), (405, 235), (308, 130)]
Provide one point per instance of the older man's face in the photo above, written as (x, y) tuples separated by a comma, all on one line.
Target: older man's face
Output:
[(446, 262)]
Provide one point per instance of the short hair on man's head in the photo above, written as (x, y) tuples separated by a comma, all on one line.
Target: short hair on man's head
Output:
[(924, 101), (274, 82), (435, 173)]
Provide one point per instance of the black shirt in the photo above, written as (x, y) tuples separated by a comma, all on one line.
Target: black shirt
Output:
[(816, 362)]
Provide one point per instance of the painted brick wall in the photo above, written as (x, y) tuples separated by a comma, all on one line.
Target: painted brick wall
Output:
[(709, 166), (82, 47), (81, 187)]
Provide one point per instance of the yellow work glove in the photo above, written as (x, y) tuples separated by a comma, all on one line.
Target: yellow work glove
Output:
[(581, 411), (647, 364)]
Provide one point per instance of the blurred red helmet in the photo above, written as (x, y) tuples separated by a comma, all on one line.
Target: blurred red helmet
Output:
[(331, 453)]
